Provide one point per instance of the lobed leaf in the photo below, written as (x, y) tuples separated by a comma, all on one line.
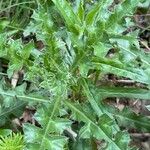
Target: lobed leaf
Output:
[(96, 130), (122, 92), (119, 69)]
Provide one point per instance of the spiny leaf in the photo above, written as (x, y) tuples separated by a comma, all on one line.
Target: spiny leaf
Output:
[(117, 68), (98, 131), (125, 44), (90, 18), (51, 127), (126, 117), (66, 11), (57, 125), (121, 10), (47, 127), (91, 99), (33, 136), (98, 12), (22, 97), (80, 11), (122, 92), (82, 144), (16, 110), (19, 94)]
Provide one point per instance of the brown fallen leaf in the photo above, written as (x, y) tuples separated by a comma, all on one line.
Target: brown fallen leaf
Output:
[(15, 79)]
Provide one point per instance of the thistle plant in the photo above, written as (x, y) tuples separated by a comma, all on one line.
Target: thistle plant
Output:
[(84, 42)]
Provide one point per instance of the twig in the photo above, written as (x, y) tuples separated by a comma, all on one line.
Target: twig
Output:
[(3, 74), (15, 79), (145, 45), (143, 15), (71, 133), (125, 81), (137, 135)]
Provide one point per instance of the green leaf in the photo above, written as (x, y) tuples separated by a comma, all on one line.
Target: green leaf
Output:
[(23, 97), (83, 144), (3, 25), (90, 17), (47, 127), (11, 106), (3, 38), (97, 12), (122, 92), (57, 125), (71, 19), (15, 66), (125, 44), (5, 132), (128, 118), (101, 49), (26, 51), (80, 11), (14, 110), (91, 99), (117, 68), (123, 9), (19, 94), (49, 135), (33, 136), (100, 131)]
